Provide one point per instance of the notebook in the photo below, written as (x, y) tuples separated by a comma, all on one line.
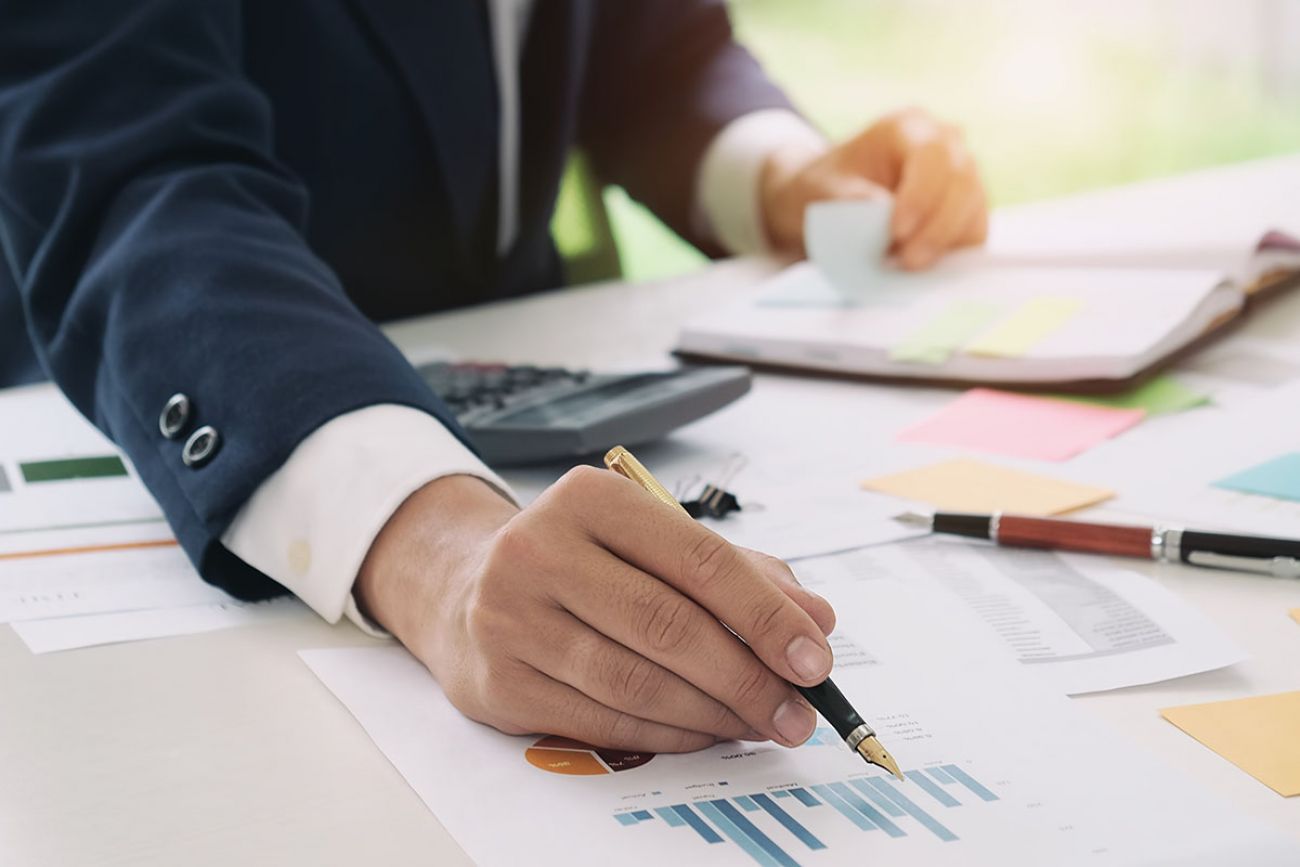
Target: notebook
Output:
[(1077, 322)]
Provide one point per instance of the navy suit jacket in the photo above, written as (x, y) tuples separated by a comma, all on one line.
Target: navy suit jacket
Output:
[(220, 198)]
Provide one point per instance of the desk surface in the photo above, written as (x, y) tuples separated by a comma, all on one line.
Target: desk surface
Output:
[(223, 748)]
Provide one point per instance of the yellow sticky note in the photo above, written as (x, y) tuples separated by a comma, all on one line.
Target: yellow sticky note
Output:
[(964, 485), (1256, 734), (1295, 614), (1028, 324)]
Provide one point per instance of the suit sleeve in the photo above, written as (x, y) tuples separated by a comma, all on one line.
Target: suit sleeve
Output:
[(663, 80), (158, 249)]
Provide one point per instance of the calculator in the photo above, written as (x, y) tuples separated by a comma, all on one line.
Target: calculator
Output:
[(522, 414)]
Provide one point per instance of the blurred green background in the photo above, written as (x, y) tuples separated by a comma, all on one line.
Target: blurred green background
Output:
[(1054, 96)]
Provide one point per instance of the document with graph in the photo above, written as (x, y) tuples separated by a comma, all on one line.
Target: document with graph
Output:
[(998, 771)]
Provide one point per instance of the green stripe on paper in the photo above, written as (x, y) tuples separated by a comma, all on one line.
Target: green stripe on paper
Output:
[(941, 336), (101, 467)]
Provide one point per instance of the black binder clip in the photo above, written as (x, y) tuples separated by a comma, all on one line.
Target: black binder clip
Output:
[(714, 500)]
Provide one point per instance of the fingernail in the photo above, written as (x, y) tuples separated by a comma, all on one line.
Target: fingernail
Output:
[(809, 659), (794, 722)]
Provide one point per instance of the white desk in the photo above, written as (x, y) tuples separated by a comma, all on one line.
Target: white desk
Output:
[(222, 748)]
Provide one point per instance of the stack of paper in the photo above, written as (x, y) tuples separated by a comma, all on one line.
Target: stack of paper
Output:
[(85, 555)]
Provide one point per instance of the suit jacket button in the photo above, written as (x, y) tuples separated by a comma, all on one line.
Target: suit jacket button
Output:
[(175, 415), (201, 446)]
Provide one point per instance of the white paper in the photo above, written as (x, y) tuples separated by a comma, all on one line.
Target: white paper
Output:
[(1074, 620), (1168, 470), (847, 241), (1050, 798), (100, 582), (793, 522), (68, 633), (50, 429)]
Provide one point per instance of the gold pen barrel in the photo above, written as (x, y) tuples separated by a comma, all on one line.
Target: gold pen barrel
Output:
[(621, 461)]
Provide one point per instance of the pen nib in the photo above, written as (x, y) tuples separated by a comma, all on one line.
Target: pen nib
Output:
[(871, 750)]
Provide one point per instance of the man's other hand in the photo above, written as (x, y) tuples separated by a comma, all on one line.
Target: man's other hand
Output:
[(596, 613), (939, 200)]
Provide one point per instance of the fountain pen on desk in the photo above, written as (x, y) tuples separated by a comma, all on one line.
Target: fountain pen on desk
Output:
[(825, 696)]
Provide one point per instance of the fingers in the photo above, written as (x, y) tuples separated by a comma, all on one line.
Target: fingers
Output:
[(923, 182), (784, 577), (707, 569), (664, 626), (608, 673), (544, 705), (947, 226)]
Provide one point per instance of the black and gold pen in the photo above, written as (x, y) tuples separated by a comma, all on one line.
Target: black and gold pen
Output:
[(825, 696)]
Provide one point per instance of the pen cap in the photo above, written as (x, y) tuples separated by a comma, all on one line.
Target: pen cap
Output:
[(621, 461)]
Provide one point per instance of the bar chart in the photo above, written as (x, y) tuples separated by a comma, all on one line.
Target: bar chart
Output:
[(774, 826)]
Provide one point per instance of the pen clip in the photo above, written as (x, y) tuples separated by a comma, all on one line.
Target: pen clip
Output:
[(1281, 567)]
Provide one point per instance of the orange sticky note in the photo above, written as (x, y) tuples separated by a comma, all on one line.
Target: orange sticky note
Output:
[(964, 485), (1256, 734)]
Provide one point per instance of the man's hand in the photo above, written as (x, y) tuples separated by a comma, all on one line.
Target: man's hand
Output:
[(596, 613), (939, 201)]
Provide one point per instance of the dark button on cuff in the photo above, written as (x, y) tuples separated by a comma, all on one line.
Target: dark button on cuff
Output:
[(201, 446), (175, 416)]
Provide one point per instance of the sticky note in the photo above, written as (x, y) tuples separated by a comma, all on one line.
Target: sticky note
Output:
[(1295, 614), (1258, 735), (938, 338), (1025, 327), (1158, 396), (1020, 425), (965, 485), (1278, 478), (847, 240)]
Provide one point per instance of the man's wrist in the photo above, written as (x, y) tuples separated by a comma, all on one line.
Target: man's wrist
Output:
[(419, 556)]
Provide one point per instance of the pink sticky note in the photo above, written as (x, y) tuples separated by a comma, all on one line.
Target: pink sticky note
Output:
[(1021, 426)]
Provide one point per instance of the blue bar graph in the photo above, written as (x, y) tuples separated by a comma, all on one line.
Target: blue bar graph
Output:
[(969, 782), (754, 842), (767, 831), (688, 815), (669, 815), (939, 774), (933, 825), (931, 789), (844, 809), (877, 818), (788, 822), (805, 798), (888, 806)]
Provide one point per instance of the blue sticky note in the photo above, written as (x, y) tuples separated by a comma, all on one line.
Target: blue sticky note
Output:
[(1278, 478)]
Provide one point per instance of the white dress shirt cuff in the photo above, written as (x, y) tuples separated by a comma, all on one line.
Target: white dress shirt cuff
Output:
[(311, 523), (727, 201)]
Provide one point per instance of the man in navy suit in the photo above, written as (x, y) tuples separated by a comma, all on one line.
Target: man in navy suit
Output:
[(205, 205)]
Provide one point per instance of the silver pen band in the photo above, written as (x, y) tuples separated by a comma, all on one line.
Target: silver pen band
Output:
[(858, 735)]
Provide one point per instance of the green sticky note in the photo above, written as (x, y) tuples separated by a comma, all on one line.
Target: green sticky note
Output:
[(1158, 396), (1027, 325), (938, 338)]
